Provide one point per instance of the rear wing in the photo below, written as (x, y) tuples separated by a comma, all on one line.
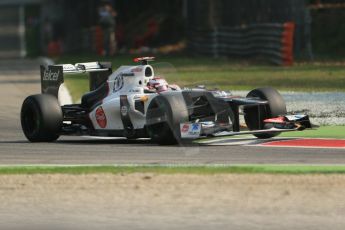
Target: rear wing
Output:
[(52, 76)]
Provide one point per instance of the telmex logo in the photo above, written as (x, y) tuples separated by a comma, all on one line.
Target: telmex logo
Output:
[(48, 75), (185, 128), (101, 118)]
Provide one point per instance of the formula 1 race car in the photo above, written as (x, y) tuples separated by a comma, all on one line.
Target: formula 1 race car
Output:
[(134, 103)]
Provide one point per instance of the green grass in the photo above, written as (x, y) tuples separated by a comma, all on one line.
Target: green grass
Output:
[(321, 132), (204, 170), (77, 85), (337, 132), (229, 74)]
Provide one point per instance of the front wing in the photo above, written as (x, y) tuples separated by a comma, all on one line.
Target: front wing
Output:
[(280, 124)]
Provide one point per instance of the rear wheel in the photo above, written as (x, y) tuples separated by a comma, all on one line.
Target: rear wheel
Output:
[(255, 115), (164, 115), (41, 118)]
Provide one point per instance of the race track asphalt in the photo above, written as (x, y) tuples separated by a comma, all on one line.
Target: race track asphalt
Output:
[(20, 78)]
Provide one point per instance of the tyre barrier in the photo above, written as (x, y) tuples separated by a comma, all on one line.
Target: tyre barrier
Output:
[(273, 41)]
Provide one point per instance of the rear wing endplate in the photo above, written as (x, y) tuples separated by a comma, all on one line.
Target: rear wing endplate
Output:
[(52, 76)]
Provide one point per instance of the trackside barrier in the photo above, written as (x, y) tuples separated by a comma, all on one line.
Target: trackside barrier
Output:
[(274, 41)]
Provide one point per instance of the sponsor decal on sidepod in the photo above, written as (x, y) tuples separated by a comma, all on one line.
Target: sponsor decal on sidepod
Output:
[(101, 118), (185, 128), (124, 110), (189, 130)]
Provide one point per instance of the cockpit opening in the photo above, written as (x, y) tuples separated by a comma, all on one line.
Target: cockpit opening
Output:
[(148, 72)]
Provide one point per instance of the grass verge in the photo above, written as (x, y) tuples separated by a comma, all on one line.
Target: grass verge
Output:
[(337, 132), (321, 132), (212, 169), (228, 74)]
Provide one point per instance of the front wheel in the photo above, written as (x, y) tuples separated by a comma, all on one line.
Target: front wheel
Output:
[(164, 115), (255, 115), (41, 118)]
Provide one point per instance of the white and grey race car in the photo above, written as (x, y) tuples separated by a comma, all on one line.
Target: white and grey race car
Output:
[(134, 103)]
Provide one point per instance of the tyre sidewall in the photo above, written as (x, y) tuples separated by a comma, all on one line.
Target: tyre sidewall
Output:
[(48, 117), (254, 116), (174, 109)]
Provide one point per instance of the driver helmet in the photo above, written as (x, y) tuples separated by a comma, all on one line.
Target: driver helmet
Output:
[(158, 84)]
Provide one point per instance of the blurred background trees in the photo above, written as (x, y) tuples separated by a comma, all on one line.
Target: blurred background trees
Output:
[(62, 27)]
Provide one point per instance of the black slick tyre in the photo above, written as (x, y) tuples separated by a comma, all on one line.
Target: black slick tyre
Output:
[(164, 115), (41, 118), (255, 115)]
